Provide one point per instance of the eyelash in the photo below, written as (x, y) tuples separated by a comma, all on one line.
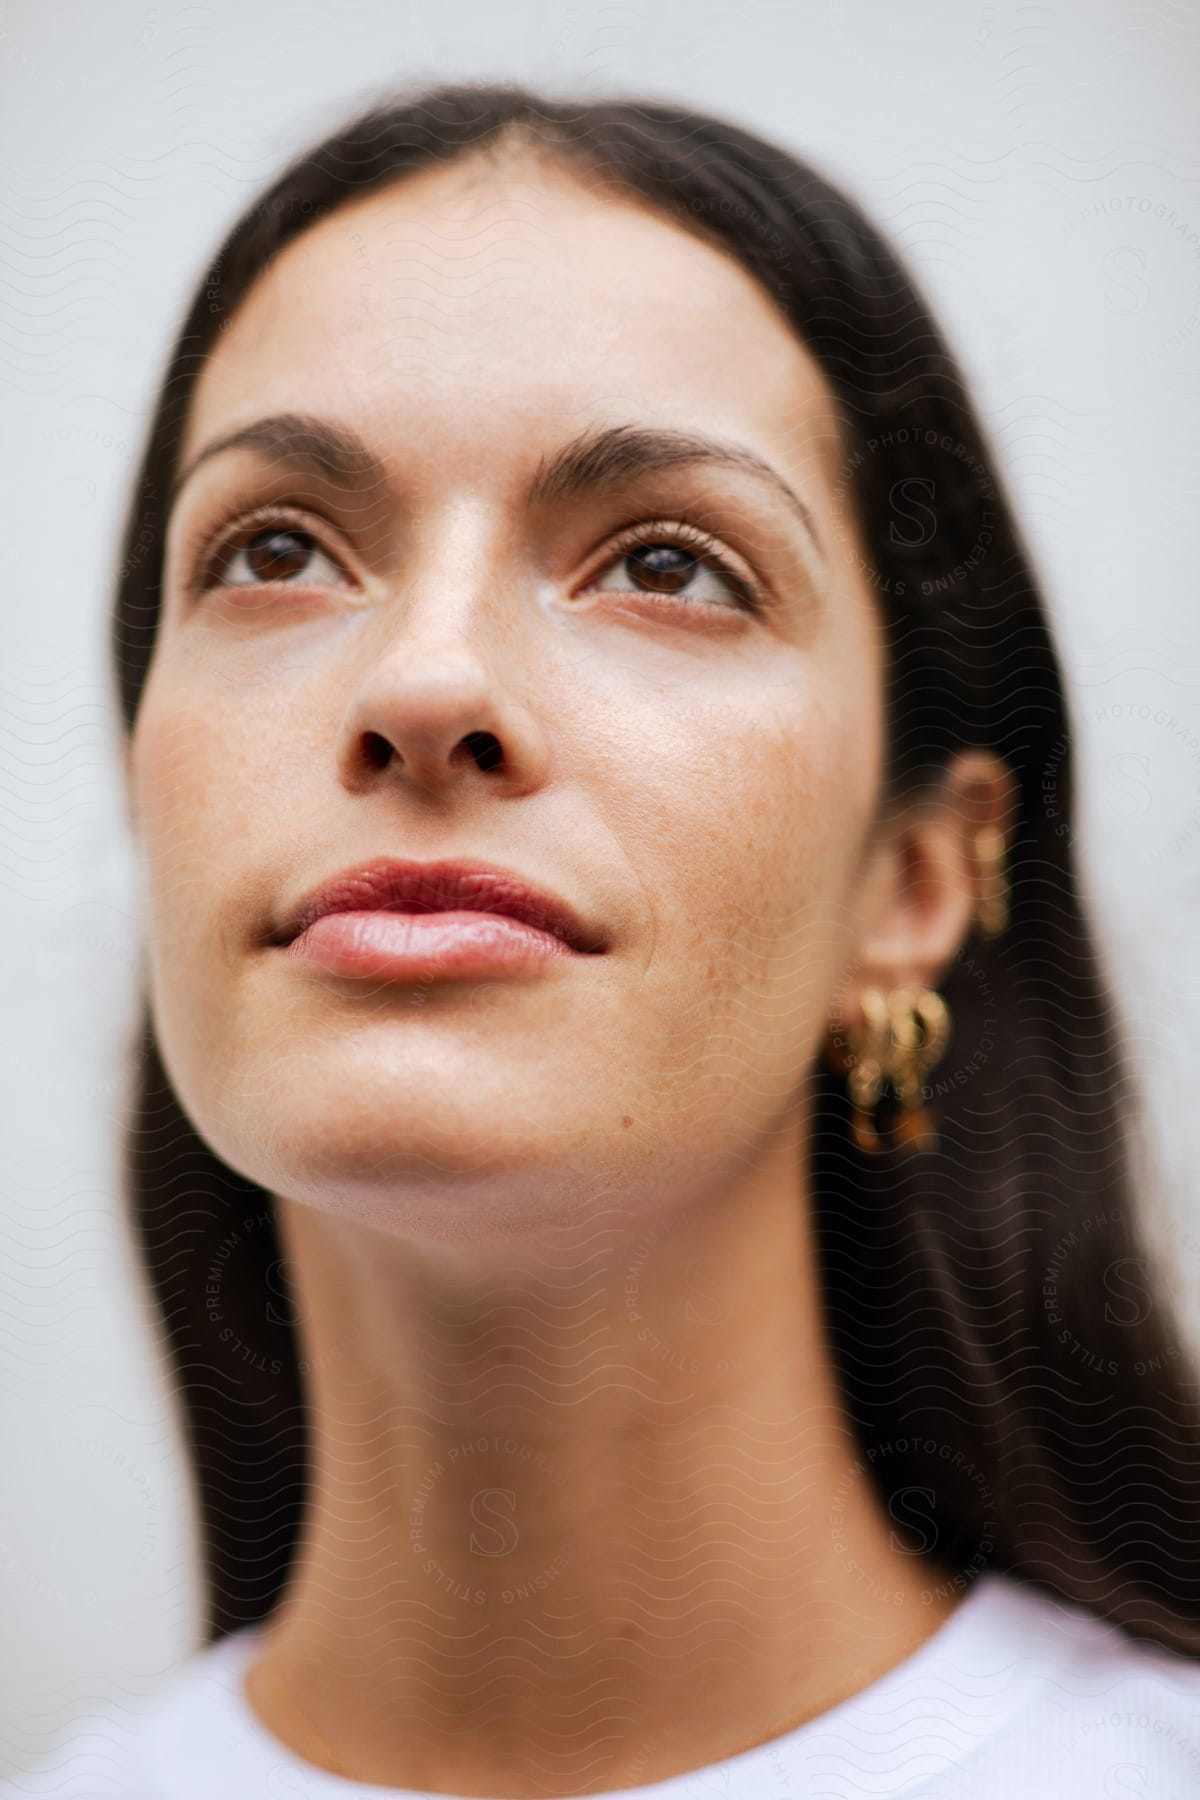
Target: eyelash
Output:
[(220, 541), (688, 535)]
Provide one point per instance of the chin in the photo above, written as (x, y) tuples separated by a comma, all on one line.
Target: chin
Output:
[(412, 1156)]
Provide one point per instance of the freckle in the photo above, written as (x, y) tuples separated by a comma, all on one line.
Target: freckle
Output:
[(626, 1120)]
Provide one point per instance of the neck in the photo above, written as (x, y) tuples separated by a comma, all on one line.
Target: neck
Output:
[(582, 1516)]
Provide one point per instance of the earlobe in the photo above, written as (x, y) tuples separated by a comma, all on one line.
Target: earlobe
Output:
[(938, 870), (924, 905)]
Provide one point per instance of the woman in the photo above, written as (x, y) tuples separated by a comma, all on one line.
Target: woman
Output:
[(632, 1155)]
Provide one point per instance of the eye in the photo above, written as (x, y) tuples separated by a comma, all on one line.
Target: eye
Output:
[(274, 552), (678, 561), (266, 547)]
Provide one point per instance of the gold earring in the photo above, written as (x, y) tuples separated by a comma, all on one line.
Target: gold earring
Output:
[(992, 910), (902, 1035), (920, 1030), (869, 1046)]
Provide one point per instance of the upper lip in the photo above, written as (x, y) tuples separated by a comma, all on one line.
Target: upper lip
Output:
[(402, 886)]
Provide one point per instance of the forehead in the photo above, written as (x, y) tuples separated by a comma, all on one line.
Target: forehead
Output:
[(468, 302)]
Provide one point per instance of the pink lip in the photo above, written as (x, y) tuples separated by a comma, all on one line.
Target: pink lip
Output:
[(392, 920), (392, 946)]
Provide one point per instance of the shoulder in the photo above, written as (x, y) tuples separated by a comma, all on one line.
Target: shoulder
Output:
[(1097, 1711), (162, 1748), (1133, 1707), (100, 1759)]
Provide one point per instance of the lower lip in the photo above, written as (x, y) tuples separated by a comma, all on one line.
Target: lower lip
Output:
[(392, 946)]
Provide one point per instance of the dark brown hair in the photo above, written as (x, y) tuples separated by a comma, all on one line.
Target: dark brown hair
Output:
[(1005, 1350)]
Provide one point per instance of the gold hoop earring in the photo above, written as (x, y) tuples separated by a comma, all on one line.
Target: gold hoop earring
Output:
[(867, 1063), (920, 1021), (903, 1034)]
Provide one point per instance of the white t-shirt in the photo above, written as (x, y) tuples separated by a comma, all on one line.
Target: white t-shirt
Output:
[(1015, 1695)]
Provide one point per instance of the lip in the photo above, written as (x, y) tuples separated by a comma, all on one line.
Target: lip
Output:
[(402, 919)]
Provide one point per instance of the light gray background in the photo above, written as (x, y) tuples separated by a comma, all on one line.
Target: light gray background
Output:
[(1039, 165)]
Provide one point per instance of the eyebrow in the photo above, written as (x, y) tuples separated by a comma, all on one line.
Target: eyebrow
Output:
[(296, 438), (606, 457), (603, 457)]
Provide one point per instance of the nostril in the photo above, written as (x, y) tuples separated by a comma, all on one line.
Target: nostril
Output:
[(485, 748), (377, 750)]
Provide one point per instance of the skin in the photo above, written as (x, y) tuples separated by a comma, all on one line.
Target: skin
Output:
[(586, 1512)]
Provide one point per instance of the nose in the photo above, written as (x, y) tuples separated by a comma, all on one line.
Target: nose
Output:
[(433, 712)]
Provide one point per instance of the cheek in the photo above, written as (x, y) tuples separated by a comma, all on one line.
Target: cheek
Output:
[(195, 778), (751, 849), (192, 783), (169, 775), (803, 834), (747, 848)]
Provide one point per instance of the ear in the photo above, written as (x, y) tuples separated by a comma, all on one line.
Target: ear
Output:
[(925, 877)]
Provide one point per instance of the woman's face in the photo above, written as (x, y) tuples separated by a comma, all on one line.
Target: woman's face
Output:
[(695, 777)]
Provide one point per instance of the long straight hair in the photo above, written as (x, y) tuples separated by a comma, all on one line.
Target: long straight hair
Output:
[(1005, 1348)]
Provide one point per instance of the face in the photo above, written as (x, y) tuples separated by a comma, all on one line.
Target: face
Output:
[(674, 659)]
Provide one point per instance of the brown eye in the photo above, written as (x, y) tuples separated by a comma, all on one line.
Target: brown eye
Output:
[(691, 569), (276, 553), (664, 567)]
